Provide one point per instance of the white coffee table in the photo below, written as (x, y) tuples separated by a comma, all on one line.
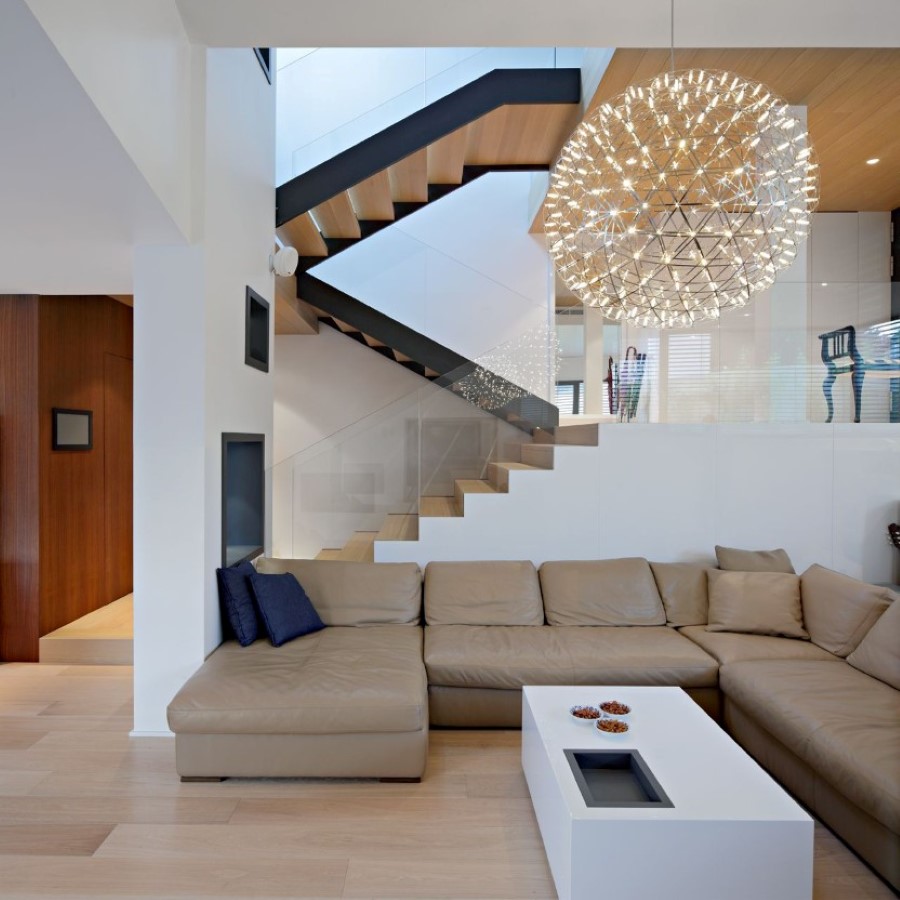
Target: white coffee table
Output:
[(731, 833)]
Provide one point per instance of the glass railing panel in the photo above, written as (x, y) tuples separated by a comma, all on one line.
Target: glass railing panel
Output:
[(417, 446), (310, 153), (764, 364)]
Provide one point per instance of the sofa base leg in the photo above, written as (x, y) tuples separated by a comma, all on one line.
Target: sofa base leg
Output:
[(200, 779), (400, 780)]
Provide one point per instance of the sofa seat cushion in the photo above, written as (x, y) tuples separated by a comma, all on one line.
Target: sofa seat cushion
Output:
[(842, 723), (508, 657), (729, 647), (339, 680)]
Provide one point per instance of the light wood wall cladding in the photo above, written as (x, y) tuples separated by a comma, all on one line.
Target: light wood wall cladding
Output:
[(19, 494), (409, 178), (521, 134), (65, 516), (853, 100), (302, 234), (447, 156), (83, 564), (371, 198)]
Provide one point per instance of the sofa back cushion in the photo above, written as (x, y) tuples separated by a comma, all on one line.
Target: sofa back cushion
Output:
[(482, 593), (878, 653), (755, 603), (682, 587), (734, 560), (839, 610), (356, 593), (601, 592)]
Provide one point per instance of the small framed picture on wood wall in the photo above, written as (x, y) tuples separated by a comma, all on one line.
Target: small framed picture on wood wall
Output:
[(73, 429)]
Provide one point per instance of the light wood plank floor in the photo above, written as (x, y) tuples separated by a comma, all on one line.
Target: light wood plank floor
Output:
[(87, 811)]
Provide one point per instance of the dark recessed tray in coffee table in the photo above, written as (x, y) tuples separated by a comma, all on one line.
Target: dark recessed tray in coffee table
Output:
[(616, 778)]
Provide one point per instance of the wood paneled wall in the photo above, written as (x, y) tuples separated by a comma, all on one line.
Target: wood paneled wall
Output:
[(79, 532), (19, 599)]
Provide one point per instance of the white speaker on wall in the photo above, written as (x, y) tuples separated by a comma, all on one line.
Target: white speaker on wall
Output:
[(284, 261)]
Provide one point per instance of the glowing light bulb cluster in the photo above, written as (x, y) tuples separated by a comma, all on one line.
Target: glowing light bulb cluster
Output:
[(680, 198), (528, 364)]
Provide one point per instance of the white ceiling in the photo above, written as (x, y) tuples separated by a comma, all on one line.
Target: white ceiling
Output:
[(72, 203), (573, 23)]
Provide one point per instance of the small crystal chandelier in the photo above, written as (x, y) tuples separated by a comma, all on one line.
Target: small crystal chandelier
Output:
[(680, 198)]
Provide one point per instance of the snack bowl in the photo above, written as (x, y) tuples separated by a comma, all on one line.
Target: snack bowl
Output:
[(610, 726), (615, 708), (592, 713)]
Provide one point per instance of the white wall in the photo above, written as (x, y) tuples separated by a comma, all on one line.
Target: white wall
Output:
[(576, 23), (133, 58), (74, 203), (191, 383), (672, 492), (465, 271)]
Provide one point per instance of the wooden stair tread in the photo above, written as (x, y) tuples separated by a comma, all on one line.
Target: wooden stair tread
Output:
[(438, 507), (371, 198), (360, 548), (336, 218), (399, 527), (587, 435), (475, 486), (303, 235), (518, 466), (409, 178), (447, 156)]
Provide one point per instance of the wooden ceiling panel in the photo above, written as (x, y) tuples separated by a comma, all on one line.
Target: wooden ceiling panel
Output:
[(853, 101)]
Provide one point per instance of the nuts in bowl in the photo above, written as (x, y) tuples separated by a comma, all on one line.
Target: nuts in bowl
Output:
[(615, 708), (612, 726), (585, 713)]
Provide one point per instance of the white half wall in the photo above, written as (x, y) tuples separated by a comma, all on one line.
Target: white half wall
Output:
[(191, 383), (672, 492)]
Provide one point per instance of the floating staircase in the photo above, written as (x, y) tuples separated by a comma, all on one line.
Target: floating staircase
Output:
[(507, 120)]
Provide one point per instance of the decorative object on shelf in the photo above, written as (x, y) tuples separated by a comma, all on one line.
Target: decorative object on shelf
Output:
[(73, 429), (631, 376), (680, 198)]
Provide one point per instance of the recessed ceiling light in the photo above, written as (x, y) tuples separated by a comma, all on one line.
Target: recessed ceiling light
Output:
[(873, 161), (824, 284)]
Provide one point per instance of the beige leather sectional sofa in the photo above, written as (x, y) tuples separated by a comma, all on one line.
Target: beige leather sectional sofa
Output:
[(355, 699)]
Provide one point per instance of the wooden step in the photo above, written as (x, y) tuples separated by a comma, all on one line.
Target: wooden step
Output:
[(409, 178), (101, 638), (540, 455), (575, 435), (464, 486), (399, 527), (360, 548), (435, 507), (447, 157), (303, 235), (292, 315), (498, 473), (527, 133), (336, 218), (371, 198)]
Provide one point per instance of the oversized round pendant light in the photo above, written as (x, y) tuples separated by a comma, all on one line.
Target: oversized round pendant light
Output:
[(680, 198)]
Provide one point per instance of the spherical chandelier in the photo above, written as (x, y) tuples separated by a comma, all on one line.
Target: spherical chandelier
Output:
[(680, 198)]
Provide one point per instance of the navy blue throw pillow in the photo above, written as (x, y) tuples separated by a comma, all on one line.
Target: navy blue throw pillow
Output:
[(286, 610), (236, 600)]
